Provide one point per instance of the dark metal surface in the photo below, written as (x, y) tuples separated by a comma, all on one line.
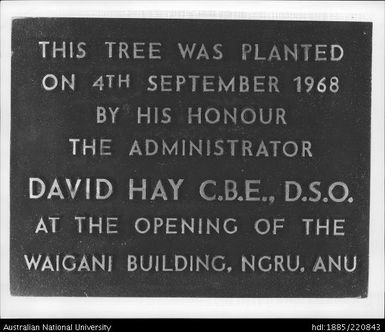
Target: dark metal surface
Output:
[(338, 125)]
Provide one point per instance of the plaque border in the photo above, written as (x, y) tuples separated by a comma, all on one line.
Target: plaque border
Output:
[(372, 306)]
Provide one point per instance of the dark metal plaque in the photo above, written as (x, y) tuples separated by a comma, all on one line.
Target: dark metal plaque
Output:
[(190, 158)]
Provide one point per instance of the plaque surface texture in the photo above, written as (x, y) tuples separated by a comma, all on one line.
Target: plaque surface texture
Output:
[(190, 158)]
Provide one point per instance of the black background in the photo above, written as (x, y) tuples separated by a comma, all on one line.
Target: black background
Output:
[(41, 123)]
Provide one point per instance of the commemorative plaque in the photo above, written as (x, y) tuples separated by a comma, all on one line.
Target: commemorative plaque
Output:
[(190, 158)]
